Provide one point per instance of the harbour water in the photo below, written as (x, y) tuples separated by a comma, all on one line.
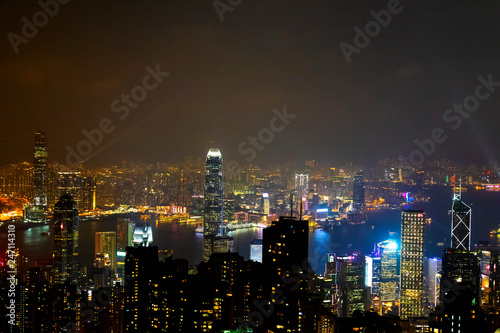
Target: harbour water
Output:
[(187, 244)]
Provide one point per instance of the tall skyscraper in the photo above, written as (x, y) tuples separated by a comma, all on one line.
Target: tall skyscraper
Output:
[(460, 269), (389, 276), (358, 192), (65, 231), (350, 284), (70, 182), (301, 184), (284, 258), (434, 280), (256, 250), (41, 172), (412, 263), (105, 244), (141, 267), (460, 224), (214, 201)]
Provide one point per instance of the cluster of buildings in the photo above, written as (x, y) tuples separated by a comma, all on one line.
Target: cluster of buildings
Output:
[(134, 287)]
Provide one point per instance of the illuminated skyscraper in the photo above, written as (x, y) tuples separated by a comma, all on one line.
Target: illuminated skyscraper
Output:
[(214, 201), (350, 284), (143, 235), (460, 224), (301, 184), (65, 231), (389, 275), (358, 192), (41, 173), (70, 182), (434, 280), (105, 244), (412, 263), (256, 250)]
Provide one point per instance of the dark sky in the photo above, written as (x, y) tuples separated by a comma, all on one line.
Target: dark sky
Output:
[(227, 76)]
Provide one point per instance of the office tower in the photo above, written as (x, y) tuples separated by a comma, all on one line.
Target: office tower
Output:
[(105, 244), (124, 238), (460, 224), (214, 201), (350, 284), (301, 184), (412, 263), (256, 250), (459, 309), (461, 270), (358, 192), (70, 182), (285, 261), (124, 234), (89, 188), (389, 276), (143, 235), (40, 170), (65, 231), (141, 268), (229, 209), (372, 280), (265, 203), (434, 280)]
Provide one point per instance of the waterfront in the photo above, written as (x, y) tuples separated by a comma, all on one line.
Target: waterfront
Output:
[(187, 244)]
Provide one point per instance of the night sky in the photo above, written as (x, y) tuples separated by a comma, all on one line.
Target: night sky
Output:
[(226, 77)]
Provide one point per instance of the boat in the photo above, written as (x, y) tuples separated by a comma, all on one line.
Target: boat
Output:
[(199, 229), (45, 233)]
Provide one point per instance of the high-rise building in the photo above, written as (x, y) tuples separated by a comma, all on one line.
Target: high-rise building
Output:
[(105, 244), (40, 170), (70, 182), (434, 280), (461, 271), (65, 231), (389, 276), (256, 250), (301, 184), (143, 235), (350, 284), (141, 267), (412, 263), (358, 191), (214, 201), (284, 258), (124, 238), (460, 224)]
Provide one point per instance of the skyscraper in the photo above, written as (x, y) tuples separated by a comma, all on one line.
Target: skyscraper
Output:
[(105, 244), (70, 182), (358, 191), (41, 173), (214, 201), (350, 284), (460, 224), (389, 275), (284, 258), (412, 263), (65, 231), (434, 280)]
